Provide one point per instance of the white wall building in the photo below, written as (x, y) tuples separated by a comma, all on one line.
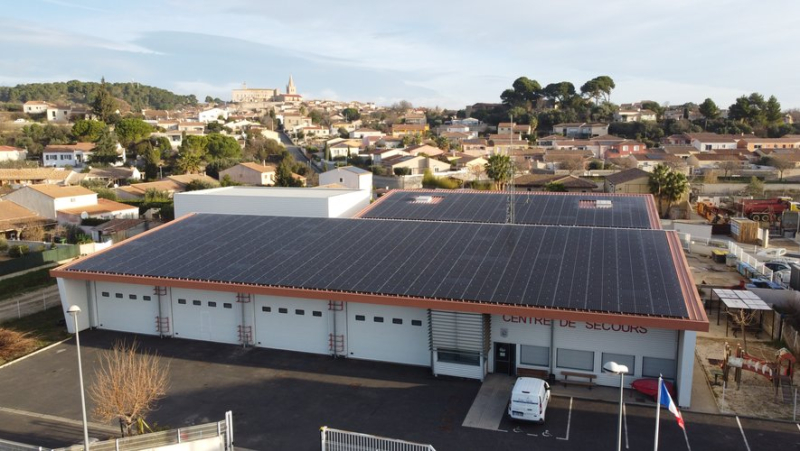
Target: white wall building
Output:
[(46, 200), (348, 176), (8, 153), (212, 115), (296, 202)]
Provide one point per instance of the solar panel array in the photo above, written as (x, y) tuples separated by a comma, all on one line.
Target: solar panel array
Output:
[(581, 268), (741, 299), (530, 208)]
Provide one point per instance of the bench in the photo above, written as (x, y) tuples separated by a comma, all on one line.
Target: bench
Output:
[(587, 383), (528, 372)]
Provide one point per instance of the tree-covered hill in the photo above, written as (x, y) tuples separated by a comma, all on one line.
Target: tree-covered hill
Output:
[(138, 96)]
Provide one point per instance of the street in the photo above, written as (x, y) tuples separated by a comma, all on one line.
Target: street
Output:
[(297, 153)]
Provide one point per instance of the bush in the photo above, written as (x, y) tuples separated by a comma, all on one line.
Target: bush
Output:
[(402, 171), (431, 181), (18, 251), (93, 221), (15, 344), (3, 244)]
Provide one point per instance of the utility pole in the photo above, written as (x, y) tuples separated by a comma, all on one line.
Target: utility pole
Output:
[(510, 186)]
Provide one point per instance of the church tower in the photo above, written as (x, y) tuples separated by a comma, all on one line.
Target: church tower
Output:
[(290, 89)]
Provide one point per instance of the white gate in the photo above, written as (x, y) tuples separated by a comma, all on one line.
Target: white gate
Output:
[(338, 440)]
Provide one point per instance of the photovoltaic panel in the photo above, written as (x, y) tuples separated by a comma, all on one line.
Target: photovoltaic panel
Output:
[(578, 268), (593, 210)]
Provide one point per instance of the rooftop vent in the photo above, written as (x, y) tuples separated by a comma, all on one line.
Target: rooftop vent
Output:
[(426, 199)]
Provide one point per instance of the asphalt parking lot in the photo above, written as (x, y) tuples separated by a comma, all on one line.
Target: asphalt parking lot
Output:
[(281, 399)]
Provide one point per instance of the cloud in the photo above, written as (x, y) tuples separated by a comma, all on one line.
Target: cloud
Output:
[(74, 5)]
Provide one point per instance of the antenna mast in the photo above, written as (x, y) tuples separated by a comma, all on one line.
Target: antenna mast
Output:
[(510, 186)]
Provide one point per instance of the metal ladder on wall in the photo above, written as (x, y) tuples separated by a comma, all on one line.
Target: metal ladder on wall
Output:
[(244, 331), (335, 341), (162, 322)]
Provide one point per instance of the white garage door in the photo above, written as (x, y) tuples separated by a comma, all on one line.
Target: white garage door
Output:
[(126, 308), (206, 315), (292, 324), (388, 334)]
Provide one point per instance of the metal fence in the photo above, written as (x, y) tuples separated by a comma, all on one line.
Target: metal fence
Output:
[(35, 259), (743, 256), (338, 440), (155, 440)]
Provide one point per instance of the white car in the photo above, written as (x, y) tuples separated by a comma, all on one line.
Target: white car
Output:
[(20, 121)]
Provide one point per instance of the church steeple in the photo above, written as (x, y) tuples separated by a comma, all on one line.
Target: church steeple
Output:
[(290, 89)]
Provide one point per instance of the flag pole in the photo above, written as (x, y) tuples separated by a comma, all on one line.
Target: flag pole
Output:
[(658, 412)]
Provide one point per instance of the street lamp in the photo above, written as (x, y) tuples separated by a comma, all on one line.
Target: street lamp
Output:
[(614, 367), (74, 311)]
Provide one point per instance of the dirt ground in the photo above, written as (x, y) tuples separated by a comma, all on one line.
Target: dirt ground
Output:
[(756, 396)]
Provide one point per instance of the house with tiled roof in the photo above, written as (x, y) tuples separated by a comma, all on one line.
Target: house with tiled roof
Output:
[(35, 107), (400, 130), (251, 174), (9, 153), (539, 182), (68, 203), (580, 129), (629, 181), (61, 155), (33, 176), (14, 218)]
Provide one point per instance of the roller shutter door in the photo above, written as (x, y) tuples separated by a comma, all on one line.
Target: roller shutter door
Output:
[(388, 334), (126, 308), (206, 315), (292, 324)]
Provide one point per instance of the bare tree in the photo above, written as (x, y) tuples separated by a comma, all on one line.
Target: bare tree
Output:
[(127, 385), (743, 318), (729, 167), (33, 231), (571, 163), (780, 164), (710, 176), (477, 171)]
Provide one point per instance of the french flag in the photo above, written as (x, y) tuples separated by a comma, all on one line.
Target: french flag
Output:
[(666, 401)]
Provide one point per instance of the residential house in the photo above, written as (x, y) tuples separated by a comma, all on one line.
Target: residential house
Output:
[(454, 128), (155, 115), (349, 147), (539, 182), (169, 185), (400, 130), (753, 143), (168, 125), (348, 176), (267, 133), (379, 155), (15, 218), (35, 107), (250, 174), (580, 130), (8, 153), (706, 142), (68, 203), (635, 115), (315, 131), (682, 152), (291, 122), (476, 147), (212, 115), (33, 176), (424, 149), (461, 160), (505, 128), (415, 164), (701, 162), (415, 117), (61, 155), (365, 132), (389, 142), (629, 181), (198, 127), (62, 113), (649, 160), (625, 148), (469, 121), (111, 175)]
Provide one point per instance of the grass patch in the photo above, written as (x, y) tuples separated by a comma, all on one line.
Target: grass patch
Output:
[(14, 286), (45, 328)]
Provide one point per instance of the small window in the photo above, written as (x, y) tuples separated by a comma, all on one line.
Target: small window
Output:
[(459, 357), (118, 295), (575, 360), (181, 301), (196, 302), (212, 304), (299, 312), (397, 321), (145, 298), (361, 318), (416, 322), (534, 355), (105, 294), (378, 319), (317, 313), (266, 309), (283, 310), (132, 296), (227, 305)]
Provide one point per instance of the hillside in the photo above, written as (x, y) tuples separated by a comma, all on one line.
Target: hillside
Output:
[(138, 96)]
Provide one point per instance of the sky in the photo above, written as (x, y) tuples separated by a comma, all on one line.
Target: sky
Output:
[(431, 53)]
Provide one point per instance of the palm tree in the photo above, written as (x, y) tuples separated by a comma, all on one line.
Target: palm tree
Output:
[(499, 169), (667, 185)]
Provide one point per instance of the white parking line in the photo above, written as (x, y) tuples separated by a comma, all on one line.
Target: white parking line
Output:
[(743, 436), (625, 418), (533, 435), (569, 420), (798, 427)]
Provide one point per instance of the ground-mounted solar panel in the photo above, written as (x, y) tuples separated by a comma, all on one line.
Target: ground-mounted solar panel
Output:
[(579, 268)]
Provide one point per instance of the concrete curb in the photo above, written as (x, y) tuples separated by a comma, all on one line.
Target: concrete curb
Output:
[(46, 348)]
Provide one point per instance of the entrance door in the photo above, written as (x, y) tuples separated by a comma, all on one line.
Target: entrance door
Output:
[(504, 358)]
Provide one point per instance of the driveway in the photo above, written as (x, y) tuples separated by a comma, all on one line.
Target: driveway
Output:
[(281, 399)]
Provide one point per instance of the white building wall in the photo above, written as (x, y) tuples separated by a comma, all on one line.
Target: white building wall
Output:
[(75, 292), (348, 205), (63, 203), (33, 200), (216, 319), (686, 362), (125, 307), (339, 205)]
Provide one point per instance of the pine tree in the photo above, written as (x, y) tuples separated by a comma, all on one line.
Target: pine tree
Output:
[(104, 105)]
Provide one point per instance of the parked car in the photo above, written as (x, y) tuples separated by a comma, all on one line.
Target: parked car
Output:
[(529, 399)]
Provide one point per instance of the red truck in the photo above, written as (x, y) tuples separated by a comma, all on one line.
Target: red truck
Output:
[(766, 210)]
